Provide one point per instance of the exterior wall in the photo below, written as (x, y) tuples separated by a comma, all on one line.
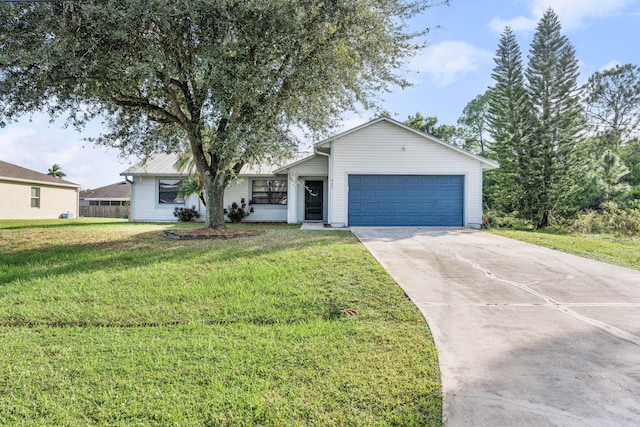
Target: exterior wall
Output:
[(145, 206), (144, 201), (385, 148), (317, 166), (241, 188), (16, 201)]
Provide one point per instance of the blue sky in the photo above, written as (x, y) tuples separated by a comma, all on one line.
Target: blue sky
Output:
[(452, 70)]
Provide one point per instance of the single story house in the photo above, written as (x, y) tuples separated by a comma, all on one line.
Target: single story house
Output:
[(110, 201), (27, 194), (117, 194), (380, 173)]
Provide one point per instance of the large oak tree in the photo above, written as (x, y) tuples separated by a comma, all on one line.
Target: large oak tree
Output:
[(224, 79)]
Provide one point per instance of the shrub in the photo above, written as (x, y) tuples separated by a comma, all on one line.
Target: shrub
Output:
[(236, 213), (186, 214), (611, 219), (500, 220)]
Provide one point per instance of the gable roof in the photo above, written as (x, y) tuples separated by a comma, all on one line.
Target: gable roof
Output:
[(15, 173), (118, 191), (486, 163), (288, 166), (163, 164)]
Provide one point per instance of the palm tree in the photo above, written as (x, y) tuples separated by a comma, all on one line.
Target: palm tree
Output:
[(56, 172), (192, 184)]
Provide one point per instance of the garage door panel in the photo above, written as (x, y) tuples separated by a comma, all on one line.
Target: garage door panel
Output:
[(435, 200)]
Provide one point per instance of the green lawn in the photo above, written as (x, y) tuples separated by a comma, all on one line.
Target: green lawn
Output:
[(108, 323), (623, 251)]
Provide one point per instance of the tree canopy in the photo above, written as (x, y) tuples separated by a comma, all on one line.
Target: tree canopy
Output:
[(475, 124), (612, 99), (447, 133), (225, 79)]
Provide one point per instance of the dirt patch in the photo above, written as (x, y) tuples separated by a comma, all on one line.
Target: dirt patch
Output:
[(207, 233)]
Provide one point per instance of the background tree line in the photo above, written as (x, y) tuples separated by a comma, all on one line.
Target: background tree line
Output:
[(568, 153)]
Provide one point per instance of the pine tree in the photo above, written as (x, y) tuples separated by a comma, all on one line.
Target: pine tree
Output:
[(556, 141), (510, 127), (612, 99)]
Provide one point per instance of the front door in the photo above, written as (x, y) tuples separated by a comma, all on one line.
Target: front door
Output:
[(313, 200)]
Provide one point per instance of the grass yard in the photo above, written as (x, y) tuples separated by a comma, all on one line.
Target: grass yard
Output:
[(623, 251), (108, 323)]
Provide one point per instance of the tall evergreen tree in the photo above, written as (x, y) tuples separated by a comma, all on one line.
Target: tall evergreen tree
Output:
[(555, 96), (510, 126)]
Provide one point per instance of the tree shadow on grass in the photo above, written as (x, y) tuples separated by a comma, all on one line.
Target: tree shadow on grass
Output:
[(62, 223), (145, 249)]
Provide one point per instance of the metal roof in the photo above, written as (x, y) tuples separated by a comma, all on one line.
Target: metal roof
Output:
[(163, 164)]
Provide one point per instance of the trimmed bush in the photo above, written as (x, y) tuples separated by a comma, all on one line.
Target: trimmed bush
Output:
[(237, 212), (186, 214)]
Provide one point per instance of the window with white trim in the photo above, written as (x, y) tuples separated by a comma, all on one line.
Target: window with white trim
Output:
[(168, 190), (269, 192), (35, 197)]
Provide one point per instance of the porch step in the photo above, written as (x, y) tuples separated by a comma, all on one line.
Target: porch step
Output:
[(320, 226)]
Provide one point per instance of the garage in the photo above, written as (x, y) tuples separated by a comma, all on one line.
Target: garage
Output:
[(406, 200)]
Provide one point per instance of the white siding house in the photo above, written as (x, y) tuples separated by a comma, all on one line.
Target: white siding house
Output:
[(386, 147), (379, 173)]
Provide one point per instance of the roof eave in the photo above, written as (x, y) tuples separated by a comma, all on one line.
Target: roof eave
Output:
[(327, 142), (34, 181)]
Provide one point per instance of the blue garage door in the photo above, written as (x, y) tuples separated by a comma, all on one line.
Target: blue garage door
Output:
[(429, 200)]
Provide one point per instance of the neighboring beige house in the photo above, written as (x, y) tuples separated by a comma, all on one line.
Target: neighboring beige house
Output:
[(27, 194), (110, 201), (379, 173)]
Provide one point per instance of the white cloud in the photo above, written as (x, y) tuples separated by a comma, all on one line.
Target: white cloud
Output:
[(609, 65), (446, 62), (572, 13), (37, 145), (520, 23)]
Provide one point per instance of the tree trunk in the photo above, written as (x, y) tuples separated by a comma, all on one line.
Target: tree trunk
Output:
[(544, 221), (214, 193)]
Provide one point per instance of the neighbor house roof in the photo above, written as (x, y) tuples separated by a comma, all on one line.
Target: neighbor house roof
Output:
[(118, 191), (15, 173), (164, 165), (486, 164)]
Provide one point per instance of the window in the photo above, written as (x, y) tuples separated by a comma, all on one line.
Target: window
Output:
[(269, 192), (168, 192), (94, 203), (35, 197)]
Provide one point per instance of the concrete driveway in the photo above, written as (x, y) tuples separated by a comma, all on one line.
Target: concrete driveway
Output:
[(525, 335)]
